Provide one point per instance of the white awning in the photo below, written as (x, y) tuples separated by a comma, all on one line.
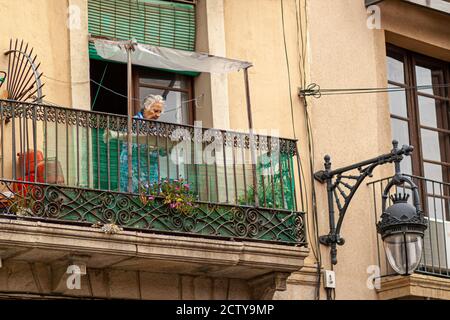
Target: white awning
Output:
[(166, 58)]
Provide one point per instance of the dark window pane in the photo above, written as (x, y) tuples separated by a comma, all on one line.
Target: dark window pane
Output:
[(400, 131), (427, 111), (395, 70), (435, 208), (431, 148), (424, 78), (433, 172), (397, 103)]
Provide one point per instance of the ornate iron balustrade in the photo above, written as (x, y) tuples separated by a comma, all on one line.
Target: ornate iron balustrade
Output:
[(66, 164), (435, 196), (103, 208)]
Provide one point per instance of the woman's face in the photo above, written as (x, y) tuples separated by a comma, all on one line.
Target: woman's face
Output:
[(154, 111)]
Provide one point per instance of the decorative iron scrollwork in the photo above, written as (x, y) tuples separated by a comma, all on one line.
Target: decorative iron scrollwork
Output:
[(96, 120), (86, 206)]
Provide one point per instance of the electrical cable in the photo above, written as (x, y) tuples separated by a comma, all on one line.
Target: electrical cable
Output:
[(302, 74), (114, 92), (388, 88), (65, 82), (304, 46), (124, 96), (313, 196), (302, 61), (302, 173), (299, 36), (315, 91), (288, 69), (98, 89), (331, 294)]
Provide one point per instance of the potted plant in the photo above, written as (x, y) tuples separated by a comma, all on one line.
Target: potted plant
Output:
[(177, 194)]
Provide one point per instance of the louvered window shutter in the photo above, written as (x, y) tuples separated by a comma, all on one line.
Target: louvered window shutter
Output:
[(160, 23)]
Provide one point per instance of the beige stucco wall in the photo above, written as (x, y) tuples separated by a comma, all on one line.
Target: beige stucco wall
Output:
[(212, 108), (43, 25), (254, 32), (342, 52)]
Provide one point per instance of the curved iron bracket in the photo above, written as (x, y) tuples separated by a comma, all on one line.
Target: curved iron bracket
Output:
[(37, 77), (342, 186), (24, 78)]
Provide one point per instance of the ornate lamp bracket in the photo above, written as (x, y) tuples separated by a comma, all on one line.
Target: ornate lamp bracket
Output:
[(342, 186)]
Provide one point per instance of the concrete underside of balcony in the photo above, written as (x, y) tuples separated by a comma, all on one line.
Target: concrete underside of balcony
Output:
[(415, 286), (35, 257)]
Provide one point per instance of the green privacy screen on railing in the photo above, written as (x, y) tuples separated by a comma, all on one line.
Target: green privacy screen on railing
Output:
[(151, 163), (159, 23)]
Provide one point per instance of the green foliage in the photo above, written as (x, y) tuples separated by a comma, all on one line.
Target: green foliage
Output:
[(272, 189), (177, 194), (273, 196)]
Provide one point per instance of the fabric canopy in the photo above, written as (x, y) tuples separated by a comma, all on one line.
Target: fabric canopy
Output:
[(167, 58)]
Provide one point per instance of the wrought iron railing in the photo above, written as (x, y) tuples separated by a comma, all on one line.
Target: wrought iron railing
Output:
[(72, 165), (435, 199)]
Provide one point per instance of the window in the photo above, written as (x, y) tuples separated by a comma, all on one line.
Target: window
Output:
[(174, 88), (420, 113), (111, 96), (161, 23)]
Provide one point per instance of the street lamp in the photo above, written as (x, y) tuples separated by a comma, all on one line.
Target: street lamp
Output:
[(401, 226)]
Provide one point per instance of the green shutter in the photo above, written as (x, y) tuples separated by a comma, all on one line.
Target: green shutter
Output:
[(160, 23), (154, 22)]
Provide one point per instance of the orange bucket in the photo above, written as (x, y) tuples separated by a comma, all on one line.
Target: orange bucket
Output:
[(27, 159)]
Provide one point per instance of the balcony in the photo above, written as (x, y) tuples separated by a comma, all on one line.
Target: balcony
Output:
[(432, 277), (66, 195), (78, 175)]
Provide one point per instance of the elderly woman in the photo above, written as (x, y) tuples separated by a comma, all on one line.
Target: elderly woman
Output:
[(152, 109), (145, 156)]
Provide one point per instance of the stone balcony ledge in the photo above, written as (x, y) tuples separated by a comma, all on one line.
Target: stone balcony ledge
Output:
[(415, 286), (36, 241)]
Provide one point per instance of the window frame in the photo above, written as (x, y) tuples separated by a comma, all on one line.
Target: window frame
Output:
[(410, 61), (140, 72)]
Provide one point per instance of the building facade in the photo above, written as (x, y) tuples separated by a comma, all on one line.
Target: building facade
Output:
[(342, 78)]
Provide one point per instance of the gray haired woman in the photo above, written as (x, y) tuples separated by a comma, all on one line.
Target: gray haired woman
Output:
[(153, 107)]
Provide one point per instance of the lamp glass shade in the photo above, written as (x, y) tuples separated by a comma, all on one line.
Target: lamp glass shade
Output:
[(404, 251)]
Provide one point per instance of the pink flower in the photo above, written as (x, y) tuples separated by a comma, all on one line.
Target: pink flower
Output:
[(151, 198)]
